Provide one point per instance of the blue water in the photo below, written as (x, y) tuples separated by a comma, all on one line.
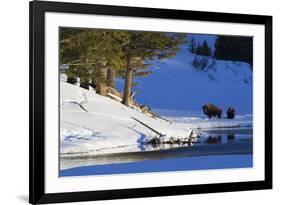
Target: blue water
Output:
[(177, 164), (219, 149)]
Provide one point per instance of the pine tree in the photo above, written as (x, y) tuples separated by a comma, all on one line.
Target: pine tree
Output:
[(203, 49), (98, 56), (92, 53), (142, 46), (206, 49), (192, 46), (234, 48), (198, 50)]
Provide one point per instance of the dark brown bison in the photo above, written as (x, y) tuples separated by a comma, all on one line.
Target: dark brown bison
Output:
[(212, 110), (230, 113)]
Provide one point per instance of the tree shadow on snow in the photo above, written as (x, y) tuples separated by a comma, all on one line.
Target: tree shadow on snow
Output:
[(142, 141)]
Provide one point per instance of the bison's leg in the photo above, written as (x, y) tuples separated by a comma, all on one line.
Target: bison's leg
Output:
[(219, 115)]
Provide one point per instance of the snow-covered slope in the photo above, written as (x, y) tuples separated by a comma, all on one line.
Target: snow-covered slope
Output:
[(93, 124), (176, 85)]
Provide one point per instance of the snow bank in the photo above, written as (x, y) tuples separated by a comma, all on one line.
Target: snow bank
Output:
[(197, 120), (93, 124)]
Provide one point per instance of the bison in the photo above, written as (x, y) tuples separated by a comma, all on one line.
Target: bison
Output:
[(230, 113), (212, 111)]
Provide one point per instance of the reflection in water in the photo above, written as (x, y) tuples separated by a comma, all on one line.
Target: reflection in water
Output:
[(214, 142), (163, 146), (217, 139), (230, 138), (225, 141)]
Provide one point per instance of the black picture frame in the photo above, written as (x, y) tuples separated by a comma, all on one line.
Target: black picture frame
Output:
[(37, 10)]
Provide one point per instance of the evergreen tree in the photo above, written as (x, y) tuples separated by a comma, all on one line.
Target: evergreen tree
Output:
[(192, 46), (92, 53), (198, 50), (110, 58), (206, 49), (142, 46), (203, 49), (97, 56), (234, 48)]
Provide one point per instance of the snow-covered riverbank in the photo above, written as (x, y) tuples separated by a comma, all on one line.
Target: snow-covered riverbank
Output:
[(219, 142), (91, 124)]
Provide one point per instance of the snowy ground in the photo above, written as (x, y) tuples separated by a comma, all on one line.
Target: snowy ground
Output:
[(197, 120), (91, 124), (94, 125)]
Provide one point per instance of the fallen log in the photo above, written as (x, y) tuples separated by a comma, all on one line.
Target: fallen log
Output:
[(147, 110), (116, 95), (190, 140), (155, 131), (114, 92), (155, 115)]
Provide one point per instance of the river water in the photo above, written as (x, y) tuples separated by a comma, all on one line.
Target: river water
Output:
[(215, 149)]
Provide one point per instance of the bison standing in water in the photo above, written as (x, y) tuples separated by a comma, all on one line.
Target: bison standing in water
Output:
[(230, 113), (212, 111)]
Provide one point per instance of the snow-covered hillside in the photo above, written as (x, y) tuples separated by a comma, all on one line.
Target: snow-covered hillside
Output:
[(176, 85), (93, 124)]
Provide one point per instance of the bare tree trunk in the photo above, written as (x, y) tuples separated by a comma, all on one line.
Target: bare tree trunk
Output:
[(128, 80), (101, 84), (127, 88), (111, 75)]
